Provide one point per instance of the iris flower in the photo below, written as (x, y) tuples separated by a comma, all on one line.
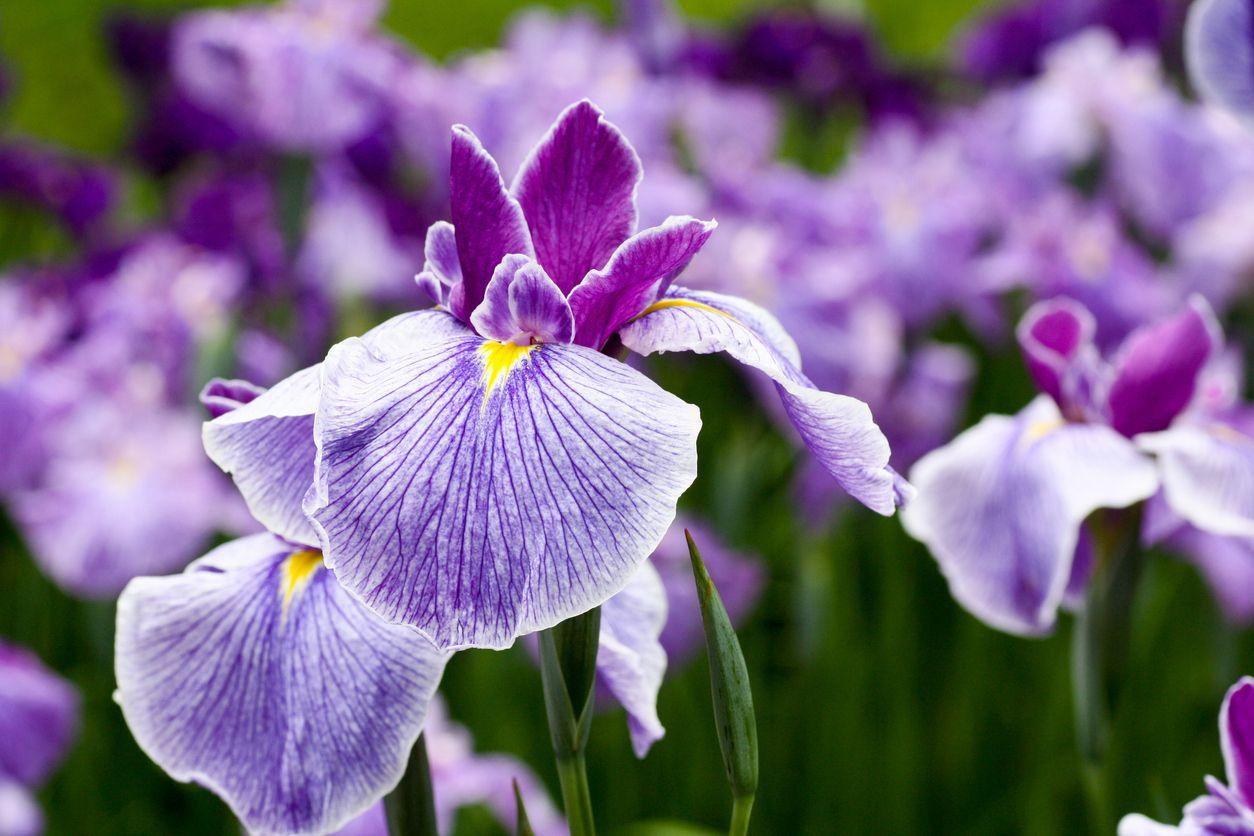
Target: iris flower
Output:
[(1001, 506), (493, 471), (1226, 809), (255, 674)]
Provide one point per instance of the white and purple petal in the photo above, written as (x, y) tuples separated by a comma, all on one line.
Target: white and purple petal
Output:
[(488, 223), (578, 191), (631, 662), (256, 675), (1000, 508), (837, 429), (1219, 50), (441, 269), (639, 270), (480, 491), (1208, 474)]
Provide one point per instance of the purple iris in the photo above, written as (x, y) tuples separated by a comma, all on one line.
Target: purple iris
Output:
[(255, 674), (496, 473), (1226, 809), (38, 719), (1001, 506)]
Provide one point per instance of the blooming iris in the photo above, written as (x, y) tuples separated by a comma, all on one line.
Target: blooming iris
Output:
[(1226, 809), (38, 719), (254, 673), (490, 472), (1001, 506)]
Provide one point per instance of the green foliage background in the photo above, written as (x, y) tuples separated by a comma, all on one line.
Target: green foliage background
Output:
[(882, 706)]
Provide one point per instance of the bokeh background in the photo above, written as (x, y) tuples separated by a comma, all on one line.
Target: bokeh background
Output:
[(883, 707)]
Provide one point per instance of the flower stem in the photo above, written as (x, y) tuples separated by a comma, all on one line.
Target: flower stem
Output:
[(568, 654), (410, 807), (1099, 647), (741, 807)]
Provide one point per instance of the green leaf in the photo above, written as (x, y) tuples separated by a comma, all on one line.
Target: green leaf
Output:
[(523, 827), (729, 689)]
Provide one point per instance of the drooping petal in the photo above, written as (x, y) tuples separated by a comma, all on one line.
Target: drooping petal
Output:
[(578, 192), (1056, 338), (838, 430), (38, 717), (1000, 508), (479, 490), (1219, 48), (523, 304), (487, 221), (631, 662), (608, 297), (267, 443), (256, 675), (1236, 737), (1208, 475), (1156, 371)]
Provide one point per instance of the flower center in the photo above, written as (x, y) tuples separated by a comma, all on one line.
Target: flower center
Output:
[(499, 359), (297, 571)]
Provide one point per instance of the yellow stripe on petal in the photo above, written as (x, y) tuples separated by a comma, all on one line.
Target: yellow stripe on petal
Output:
[(1039, 429), (499, 359), (297, 572), (662, 304)]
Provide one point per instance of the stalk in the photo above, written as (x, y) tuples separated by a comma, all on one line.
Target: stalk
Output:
[(410, 808)]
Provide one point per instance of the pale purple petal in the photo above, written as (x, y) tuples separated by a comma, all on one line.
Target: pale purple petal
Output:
[(19, 814), (442, 270), (1001, 506), (487, 221), (1138, 825), (480, 491), (493, 318), (523, 305), (1055, 337), (1208, 475), (635, 275), (578, 191), (267, 444), (1219, 48), (38, 717), (1157, 369), (838, 430), (631, 662), (1227, 564), (256, 675), (1236, 738)]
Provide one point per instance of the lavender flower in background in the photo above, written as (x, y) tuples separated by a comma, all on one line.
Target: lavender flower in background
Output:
[(38, 720), (77, 192), (461, 778), (254, 673), (1219, 54), (541, 303), (1226, 809), (1007, 540)]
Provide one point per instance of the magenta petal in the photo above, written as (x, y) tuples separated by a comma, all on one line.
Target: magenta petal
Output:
[(1054, 336), (1236, 737), (609, 297), (1157, 368), (487, 221), (578, 191)]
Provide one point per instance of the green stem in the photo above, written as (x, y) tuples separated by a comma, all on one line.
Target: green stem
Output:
[(741, 807), (576, 797), (410, 807)]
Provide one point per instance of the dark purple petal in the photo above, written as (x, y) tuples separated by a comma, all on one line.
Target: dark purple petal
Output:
[(1236, 738), (1056, 338), (1001, 506), (838, 430), (487, 221), (578, 191), (479, 491), (636, 273), (256, 675), (1157, 368), (221, 396)]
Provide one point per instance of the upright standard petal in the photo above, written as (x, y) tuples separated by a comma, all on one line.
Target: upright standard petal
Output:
[(1236, 738), (838, 430), (631, 662), (1056, 338), (1219, 51), (441, 269), (1208, 475), (578, 192), (1001, 506), (38, 717), (1157, 369), (256, 675), (267, 444), (634, 277), (481, 490), (487, 222)]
